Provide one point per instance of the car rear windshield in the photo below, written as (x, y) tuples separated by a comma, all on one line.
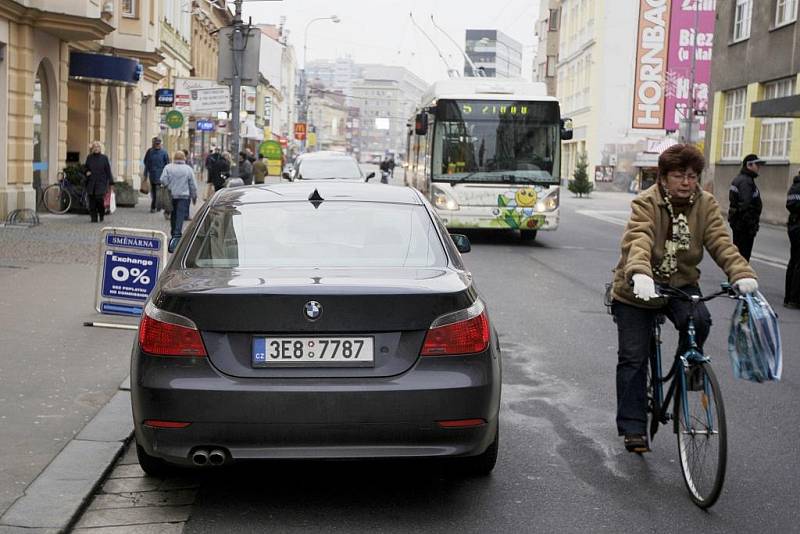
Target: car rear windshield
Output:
[(336, 234), (315, 169)]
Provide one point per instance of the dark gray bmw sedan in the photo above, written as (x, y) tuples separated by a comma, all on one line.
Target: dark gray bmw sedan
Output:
[(316, 320)]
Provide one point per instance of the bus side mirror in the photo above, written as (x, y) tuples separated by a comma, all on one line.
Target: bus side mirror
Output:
[(566, 129), (421, 124)]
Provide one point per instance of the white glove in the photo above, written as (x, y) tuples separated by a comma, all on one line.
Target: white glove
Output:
[(643, 287), (746, 285)]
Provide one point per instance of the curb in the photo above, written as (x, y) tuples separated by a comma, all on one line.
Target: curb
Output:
[(56, 498)]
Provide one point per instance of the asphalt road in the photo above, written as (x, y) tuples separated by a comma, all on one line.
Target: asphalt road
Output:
[(561, 467)]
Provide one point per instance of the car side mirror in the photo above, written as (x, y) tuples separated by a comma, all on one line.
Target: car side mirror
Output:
[(566, 129), (370, 176), (421, 124), (462, 243)]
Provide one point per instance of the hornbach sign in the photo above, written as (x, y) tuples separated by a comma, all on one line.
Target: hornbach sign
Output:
[(651, 61)]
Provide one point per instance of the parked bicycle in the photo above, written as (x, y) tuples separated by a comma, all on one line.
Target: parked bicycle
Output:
[(698, 412), (58, 197)]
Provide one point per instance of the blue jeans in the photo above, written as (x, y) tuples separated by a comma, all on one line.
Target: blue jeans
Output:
[(635, 330), (153, 192), (180, 210)]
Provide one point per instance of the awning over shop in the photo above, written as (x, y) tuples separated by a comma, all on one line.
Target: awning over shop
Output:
[(788, 106), (108, 70)]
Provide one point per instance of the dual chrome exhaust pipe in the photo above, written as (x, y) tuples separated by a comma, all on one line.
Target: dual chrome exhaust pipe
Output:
[(204, 457)]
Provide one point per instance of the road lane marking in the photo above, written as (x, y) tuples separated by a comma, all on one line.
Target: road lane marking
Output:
[(618, 217), (611, 216)]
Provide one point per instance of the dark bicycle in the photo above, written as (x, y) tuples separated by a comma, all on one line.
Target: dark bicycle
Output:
[(698, 412), (58, 197)]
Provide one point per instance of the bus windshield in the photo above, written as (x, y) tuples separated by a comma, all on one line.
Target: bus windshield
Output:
[(496, 142)]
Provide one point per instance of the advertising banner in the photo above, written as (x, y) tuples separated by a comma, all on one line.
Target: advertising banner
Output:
[(128, 267), (685, 17), (203, 98), (651, 60), (300, 131), (165, 98)]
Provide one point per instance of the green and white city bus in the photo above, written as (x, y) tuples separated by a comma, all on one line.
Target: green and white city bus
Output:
[(487, 154)]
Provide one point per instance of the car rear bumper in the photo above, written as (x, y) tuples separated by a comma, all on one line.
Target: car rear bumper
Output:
[(316, 418)]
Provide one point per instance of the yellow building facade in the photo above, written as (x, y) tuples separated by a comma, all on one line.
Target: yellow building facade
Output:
[(72, 71)]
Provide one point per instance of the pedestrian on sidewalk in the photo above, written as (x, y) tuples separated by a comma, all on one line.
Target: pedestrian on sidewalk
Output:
[(792, 295), (222, 169), (179, 179), (245, 168), (744, 212), (155, 159), (212, 174), (98, 180), (260, 171)]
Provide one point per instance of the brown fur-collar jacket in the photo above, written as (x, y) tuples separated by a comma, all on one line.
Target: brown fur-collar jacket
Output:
[(646, 234)]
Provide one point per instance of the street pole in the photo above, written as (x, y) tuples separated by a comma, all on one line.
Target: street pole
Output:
[(690, 111), (236, 87), (335, 20)]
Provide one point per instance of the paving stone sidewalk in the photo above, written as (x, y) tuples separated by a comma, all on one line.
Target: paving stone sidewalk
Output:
[(55, 374)]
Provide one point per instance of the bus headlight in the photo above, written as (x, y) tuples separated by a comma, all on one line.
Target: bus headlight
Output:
[(443, 201), (548, 203)]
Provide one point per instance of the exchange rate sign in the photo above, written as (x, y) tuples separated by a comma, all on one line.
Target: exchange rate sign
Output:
[(130, 261)]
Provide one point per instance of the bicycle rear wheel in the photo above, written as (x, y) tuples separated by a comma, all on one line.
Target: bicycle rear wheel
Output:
[(702, 434), (56, 199)]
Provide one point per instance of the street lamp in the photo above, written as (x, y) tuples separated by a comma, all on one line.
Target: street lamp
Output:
[(333, 18), (486, 41)]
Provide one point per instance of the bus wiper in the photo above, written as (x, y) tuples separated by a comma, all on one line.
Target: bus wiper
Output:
[(455, 180)]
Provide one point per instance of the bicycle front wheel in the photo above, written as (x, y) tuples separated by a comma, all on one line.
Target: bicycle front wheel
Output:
[(702, 434), (56, 199)]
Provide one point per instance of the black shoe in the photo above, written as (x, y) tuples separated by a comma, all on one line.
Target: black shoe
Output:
[(636, 443), (152, 210)]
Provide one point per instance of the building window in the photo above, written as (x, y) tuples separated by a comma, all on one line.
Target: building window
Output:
[(733, 126), (129, 8), (785, 12), (741, 19), (776, 134), (553, 27)]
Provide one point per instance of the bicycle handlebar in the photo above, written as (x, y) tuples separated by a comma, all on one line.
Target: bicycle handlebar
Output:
[(726, 290)]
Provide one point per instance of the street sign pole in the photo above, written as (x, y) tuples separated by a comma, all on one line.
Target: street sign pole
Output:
[(236, 87)]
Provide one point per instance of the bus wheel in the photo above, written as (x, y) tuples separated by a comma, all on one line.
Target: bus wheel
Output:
[(527, 235)]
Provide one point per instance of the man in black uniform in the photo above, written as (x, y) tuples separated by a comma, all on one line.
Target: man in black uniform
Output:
[(744, 212), (792, 295)]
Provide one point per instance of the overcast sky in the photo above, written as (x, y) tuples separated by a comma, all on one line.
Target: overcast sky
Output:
[(381, 31)]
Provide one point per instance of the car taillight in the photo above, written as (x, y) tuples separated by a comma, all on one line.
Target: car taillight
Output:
[(461, 332), (163, 333)]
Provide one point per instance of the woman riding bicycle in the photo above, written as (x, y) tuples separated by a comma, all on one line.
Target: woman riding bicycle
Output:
[(670, 225)]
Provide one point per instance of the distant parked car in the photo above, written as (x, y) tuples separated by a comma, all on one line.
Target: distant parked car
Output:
[(328, 165), (316, 320)]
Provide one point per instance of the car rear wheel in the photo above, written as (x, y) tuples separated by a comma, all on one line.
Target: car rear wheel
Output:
[(155, 467), (482, 464)]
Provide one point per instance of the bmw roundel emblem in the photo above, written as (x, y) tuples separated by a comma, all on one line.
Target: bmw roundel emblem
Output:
[(313, 310)]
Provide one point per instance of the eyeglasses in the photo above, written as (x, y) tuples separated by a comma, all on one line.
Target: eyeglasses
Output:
[(690, 176)]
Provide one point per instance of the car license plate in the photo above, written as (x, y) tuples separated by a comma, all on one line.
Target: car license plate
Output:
[(313, 351)]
